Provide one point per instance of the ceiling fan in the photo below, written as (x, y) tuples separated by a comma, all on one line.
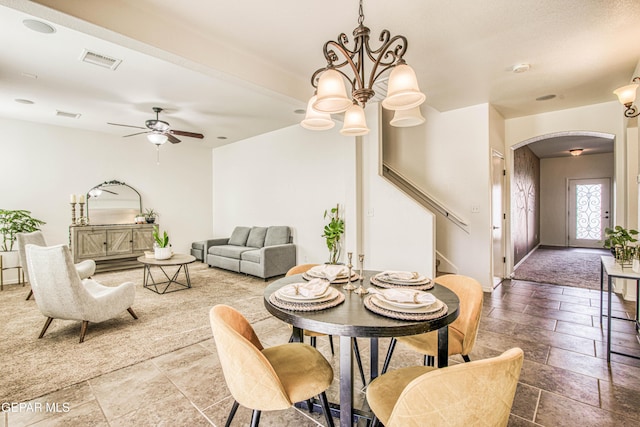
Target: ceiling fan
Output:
[(160, 131)]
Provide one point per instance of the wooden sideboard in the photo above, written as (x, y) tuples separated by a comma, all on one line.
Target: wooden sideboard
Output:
[(112, 247)]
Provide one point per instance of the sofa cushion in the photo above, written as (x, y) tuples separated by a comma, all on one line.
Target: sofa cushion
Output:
[(239, 236), (277, 235), (228, 251), (253, 256), (256, 237)]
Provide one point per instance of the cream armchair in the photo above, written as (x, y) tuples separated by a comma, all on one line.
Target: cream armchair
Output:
[(462, 332), (478, 393), (266, 379), (85, 268), (60, 294)]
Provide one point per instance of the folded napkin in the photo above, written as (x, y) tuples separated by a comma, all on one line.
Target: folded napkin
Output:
[(400, 275), (311, 289), (405, 296), (329, 271)]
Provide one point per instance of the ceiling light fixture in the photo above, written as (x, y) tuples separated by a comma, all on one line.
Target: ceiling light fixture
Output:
[(157, 138), (576, 152), (627, 96), (331, 96), (38, 26)]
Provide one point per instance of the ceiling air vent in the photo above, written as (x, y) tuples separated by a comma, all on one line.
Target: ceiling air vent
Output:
[(68, 115), (100, 60)]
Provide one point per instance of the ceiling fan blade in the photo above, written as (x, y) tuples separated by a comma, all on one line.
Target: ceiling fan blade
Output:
[(134, 134), (172, 139), (128, 126), (184, 133)]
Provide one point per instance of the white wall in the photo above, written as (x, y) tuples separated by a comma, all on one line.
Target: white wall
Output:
[(291, 176), (449, 157), (554, 173), (286, 177), (398, 233), (42, 165)]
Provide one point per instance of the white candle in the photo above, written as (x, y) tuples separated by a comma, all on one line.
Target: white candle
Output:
[(72, 198), (81, 198)]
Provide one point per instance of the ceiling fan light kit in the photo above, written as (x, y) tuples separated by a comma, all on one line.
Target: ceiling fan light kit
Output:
[(157, 138), (343, 63)]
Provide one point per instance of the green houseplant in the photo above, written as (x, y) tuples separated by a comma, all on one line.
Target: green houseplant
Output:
[(162, 249), (618, 240), (150, 216), (333, 231), (13, 222)]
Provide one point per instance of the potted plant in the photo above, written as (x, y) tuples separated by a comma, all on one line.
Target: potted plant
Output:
[(150, 216), (332, 233), (618, 240), (162, 249), (13, 222)]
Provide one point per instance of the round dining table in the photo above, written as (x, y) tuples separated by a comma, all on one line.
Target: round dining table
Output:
[(352, 319)]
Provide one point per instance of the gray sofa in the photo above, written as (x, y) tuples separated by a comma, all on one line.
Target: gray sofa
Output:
[(260, 251)]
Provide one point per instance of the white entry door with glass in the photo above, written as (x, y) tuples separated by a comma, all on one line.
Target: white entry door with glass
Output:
[(589, 211)]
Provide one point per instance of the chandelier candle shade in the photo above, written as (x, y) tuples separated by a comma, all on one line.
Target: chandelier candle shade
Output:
[(627, 96), (343, 63)]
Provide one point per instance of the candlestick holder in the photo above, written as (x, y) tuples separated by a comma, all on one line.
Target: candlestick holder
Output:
[(82, 220), (361, 289), (349, 286), (73, 213)]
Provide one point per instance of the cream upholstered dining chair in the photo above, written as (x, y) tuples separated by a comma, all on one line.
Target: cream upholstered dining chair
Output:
[(479, 393), (266, 379), (85, 268), (60, 294), (463, 330), (299, 269)]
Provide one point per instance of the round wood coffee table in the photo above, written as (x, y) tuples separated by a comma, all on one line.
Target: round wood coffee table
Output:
[(180, 260)]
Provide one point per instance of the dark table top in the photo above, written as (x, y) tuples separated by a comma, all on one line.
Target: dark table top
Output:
[(352, 318)]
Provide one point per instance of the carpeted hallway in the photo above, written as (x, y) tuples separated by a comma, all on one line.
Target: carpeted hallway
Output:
[(576, 267), (565, 380)]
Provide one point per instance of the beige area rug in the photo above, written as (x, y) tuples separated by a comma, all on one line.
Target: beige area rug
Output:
[(32, 367), (563, 266)]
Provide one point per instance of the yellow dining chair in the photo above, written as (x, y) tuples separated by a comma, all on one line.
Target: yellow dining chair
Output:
[(299, 269), (462, 332), (479, 393), (266, 379)]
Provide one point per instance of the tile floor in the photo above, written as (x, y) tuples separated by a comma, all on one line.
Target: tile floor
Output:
[(565, 380)]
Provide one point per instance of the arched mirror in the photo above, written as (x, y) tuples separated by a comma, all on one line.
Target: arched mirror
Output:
[(113, 202)]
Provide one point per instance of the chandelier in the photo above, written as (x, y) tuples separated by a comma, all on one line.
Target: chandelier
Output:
[(627, 95), (403, 94)]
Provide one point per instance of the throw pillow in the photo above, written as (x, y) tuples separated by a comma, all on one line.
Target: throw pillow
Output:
[(239, 236), (256, 237), (277, 235)]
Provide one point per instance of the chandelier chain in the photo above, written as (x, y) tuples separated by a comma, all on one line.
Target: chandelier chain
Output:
[(388, 55)]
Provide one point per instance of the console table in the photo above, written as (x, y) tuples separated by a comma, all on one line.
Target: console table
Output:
[(609, 265), (112, 247)]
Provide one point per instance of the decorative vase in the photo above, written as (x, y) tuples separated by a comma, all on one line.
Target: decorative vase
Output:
[(163, 253), (635, 265)]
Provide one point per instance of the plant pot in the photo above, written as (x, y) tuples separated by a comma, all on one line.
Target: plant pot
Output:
[(163, 253), (150, 220), (635, 265)]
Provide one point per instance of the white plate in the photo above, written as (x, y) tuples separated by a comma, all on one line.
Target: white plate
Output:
[(420, 280), (330, 294), (321, 276), (402, 304), (422, 310)]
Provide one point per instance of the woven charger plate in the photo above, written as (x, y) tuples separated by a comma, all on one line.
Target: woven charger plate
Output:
[(354, 277), (420, 287), (306, 306), (369, 302)]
